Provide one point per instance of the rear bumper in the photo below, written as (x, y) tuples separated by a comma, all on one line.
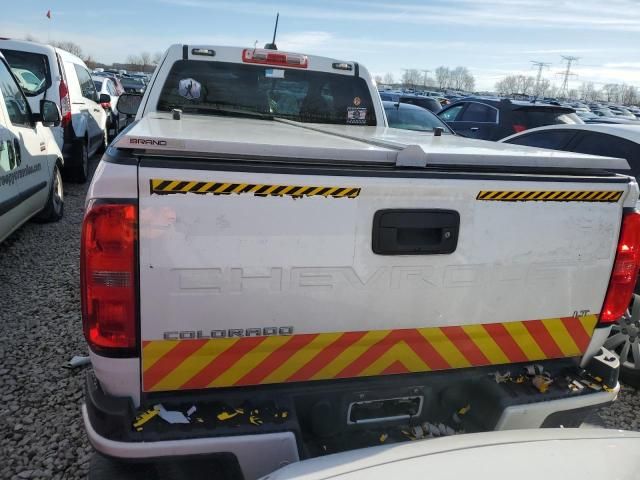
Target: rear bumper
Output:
[(555, 413), (317, 421), (257, 455)]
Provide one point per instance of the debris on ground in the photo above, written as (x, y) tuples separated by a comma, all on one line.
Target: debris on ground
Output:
[(78, 361)]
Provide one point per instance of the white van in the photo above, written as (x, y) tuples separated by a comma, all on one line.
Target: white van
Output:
[(30, 160), (45, 72)]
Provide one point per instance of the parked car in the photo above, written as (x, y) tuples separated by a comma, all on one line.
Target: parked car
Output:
[(493, 119), (65, 80), (412, 117), (132, 85), (622, 112), (115, 78), (115, 121), (429, 103), (603, 112), (590, 117), (622, 141), (30, 160), (562, 454)]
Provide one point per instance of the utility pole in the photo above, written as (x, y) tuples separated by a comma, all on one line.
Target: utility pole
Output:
[(540, 65), (424, 79), (564, 88)]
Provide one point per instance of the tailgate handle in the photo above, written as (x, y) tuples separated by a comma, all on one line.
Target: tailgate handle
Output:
[(415, 232)]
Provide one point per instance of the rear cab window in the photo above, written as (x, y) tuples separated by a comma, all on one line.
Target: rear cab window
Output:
[(299, 95), (31, 69)]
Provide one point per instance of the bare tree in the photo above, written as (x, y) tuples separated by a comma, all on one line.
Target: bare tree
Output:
[(628, 94), (506, 86), (389, 79), (516, 84), (468, 81), (72, 48), (611, 91), (157, 58), (461, 79), (145, 57), (134, 60), (525, 84), (411, 78), (543, 87), (378, 79), (588, 91), (443, 77), (90, 62), (552, 91)]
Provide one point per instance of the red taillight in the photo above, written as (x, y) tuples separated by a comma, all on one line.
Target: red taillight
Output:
[(625, 270), (519, 128), (108, 277), (274, 57), (106, 105), (65, 104)]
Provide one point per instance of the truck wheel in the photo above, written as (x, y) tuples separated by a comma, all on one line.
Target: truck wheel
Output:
[(103, 468), (80, 165), (624, 340), (54, 209)]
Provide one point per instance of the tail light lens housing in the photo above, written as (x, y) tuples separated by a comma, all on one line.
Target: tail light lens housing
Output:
[(517, 127), (65, 104), (625, 270), (109, 278), (106, 105)]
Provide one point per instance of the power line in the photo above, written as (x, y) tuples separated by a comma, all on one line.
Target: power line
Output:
[(541, 66), (564, 88)]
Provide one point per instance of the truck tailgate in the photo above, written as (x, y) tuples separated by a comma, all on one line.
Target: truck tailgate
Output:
[(251, 278)]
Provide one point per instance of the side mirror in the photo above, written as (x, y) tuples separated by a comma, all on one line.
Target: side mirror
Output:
[(128, 103), (49, 113), (104, 98)]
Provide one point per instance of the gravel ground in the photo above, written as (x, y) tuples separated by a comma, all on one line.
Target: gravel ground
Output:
[(623, 414), (41, 433)]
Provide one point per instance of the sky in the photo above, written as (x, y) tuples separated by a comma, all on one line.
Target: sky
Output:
[(492, 38)]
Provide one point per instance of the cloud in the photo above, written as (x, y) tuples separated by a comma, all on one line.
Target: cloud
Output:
[(620, 15), (625, 65)]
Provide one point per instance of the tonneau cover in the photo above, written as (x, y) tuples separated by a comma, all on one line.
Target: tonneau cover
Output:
[(213, 135)]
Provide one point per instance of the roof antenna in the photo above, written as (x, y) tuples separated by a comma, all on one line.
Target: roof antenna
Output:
[(272, 45)]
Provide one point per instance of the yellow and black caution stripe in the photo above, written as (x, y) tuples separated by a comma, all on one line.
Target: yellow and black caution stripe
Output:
[(167, 187), (606, 196)]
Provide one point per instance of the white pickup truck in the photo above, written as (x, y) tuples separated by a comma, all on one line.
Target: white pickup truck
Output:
[(269, 273)]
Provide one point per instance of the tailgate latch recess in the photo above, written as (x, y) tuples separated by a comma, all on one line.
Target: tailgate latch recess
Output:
[(411, 156)]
